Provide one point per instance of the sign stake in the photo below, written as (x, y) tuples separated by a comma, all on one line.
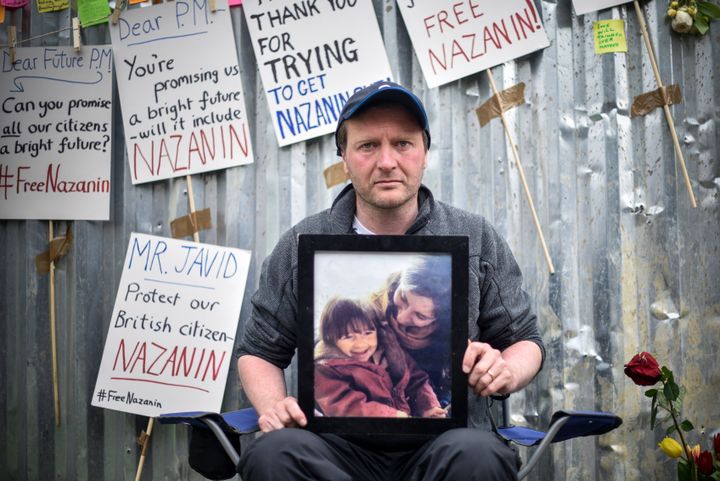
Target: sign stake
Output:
[(546, 253), (53, 336), (666, 108), (144, 441), (191, 204)]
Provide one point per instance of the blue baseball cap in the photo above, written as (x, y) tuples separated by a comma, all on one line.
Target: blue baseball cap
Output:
[(379, 92)]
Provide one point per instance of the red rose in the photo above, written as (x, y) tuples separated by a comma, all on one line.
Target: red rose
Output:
[(705, 463), (643, 369), (716, 445)]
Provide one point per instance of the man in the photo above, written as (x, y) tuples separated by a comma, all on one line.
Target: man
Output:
[(383, 138)]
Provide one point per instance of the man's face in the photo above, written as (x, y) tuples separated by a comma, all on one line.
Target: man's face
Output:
[(385, 156)]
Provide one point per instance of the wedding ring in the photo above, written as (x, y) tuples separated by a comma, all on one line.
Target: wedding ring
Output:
[(492, 376)]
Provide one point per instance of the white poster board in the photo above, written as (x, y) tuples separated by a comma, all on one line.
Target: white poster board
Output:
[(181, 94), (586, 6), (55, 133), (313, 55), (172, 330), (455, 39)]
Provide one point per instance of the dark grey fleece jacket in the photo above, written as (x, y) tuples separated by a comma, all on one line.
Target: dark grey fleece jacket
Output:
[(499, 310)]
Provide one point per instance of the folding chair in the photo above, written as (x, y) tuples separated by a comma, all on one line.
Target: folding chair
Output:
[(227, 427)]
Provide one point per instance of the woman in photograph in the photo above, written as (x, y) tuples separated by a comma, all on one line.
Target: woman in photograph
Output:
[(417, 303), (361, 370)]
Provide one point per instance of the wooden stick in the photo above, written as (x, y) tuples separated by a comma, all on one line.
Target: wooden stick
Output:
[(548, 260), (145, 447), (53, 336), (191, 203), (666, 108)]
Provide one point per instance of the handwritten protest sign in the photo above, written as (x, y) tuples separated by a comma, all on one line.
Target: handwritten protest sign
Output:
[(55, 131), (93, 12), (455, 39), (587, 6), (180, 90), (312, 56), (14, 3), (609, 36), (173, 327), (45, 6)]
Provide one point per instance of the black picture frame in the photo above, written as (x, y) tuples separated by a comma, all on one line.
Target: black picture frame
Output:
[(347, 266)]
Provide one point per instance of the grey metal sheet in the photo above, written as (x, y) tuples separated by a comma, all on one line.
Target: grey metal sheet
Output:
[(636, 267)]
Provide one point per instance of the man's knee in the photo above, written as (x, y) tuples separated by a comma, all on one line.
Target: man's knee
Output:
[(275, 451), (469, 439), (278, 443), (477, 453), (291, 454)]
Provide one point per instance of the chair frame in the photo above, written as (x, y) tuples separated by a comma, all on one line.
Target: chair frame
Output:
[(584, 423)]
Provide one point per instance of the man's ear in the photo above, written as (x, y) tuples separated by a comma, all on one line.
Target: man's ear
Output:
[(345, 167)]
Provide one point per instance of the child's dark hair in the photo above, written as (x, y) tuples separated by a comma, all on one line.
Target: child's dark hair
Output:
[(341, 316)]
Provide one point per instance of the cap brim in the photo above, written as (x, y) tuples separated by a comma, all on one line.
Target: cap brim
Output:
[(396, 94)]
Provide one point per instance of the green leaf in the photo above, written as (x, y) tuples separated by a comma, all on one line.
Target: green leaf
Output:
[(709, 9), (671, 391), (683, 471), (687, 425), (670, 430), (651, 392), (676, 391), (701, 24), (667, 374)]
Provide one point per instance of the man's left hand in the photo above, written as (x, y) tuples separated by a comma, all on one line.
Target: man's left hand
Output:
[(487, 371)]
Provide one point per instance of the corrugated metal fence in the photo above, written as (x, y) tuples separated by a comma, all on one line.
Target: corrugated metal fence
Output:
[(637, 267)]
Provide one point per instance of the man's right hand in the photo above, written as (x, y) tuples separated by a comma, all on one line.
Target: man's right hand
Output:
[(284, 414)]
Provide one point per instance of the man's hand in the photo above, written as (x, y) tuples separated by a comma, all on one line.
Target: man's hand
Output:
[(284, 414), (487, 371), (264, 384)]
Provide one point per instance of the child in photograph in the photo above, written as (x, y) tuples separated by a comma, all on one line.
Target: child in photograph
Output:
[(361, 369)]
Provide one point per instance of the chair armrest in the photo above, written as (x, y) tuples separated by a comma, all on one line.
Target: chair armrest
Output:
[(542, 447), (209, 433), (564, 425), (223, 439)]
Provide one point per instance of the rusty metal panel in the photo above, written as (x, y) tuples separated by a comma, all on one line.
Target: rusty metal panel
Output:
[(636, 267)]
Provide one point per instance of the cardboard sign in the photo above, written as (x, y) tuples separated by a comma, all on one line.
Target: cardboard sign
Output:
[(455, 39), (609, 36), (14, 3), (45, 6), (173, 327), (586, 6), (182, 97), (55, 133), (93, 12), (313, 55)]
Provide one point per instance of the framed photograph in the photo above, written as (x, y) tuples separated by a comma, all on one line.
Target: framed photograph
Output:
[(383, 329)]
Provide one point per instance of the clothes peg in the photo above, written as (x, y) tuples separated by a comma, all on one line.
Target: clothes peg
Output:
[(119, 5), (76, 33), (12, 41)]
